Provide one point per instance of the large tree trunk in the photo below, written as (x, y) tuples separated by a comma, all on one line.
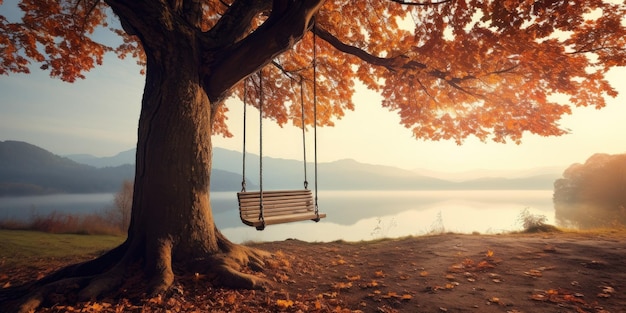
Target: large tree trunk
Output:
[(171, 220), (171, 213)]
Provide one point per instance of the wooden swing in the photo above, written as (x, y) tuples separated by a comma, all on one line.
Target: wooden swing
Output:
[(261, 208)]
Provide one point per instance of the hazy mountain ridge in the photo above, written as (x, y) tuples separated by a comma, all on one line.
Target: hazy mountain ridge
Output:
[(476, 174), (32, 170), (124, 157), (26, 169), (349, 174)]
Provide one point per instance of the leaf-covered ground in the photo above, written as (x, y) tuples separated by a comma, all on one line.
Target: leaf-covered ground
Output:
[(555, 272)]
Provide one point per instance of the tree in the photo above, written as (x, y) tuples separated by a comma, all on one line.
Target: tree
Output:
[(123, 203), (593, 194), (450, 68)]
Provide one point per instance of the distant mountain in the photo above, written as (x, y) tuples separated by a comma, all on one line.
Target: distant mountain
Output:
[(39, 165), (124, 157), (26, 169), (545, 181), (350, 174), (476, 174)]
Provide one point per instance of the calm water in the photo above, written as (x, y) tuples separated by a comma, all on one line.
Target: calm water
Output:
[(352, 215)]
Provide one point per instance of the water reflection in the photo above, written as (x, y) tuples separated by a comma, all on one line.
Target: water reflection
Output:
[(589, 215), (23, 208), (352, 215), (365, 215)]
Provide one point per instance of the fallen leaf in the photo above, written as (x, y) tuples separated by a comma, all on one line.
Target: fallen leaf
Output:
[(538, 297), (484, 264), (533, 273), (341, 285), (353, 278), (494, 300), (284, 304), (318, 305), (390, 294)]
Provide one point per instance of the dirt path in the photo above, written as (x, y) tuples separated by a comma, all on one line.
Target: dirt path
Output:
[(467, 273), (556, 272)]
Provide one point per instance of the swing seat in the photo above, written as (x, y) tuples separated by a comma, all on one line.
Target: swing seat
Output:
[(279, 206)]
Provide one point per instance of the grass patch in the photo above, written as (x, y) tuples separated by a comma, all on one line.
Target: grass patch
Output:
[(25, 246)]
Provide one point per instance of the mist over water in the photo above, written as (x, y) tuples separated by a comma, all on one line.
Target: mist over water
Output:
[(366, 215), (352, 215), (22, 208)]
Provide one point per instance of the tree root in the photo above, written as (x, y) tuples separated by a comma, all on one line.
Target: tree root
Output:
[(227, 268), (232, 269)]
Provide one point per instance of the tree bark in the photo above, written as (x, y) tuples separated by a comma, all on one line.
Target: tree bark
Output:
[(171, 207)]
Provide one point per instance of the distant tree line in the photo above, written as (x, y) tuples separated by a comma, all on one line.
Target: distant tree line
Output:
[(592, 194)]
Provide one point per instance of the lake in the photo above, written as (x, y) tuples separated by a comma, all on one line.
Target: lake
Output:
[(352, 215)]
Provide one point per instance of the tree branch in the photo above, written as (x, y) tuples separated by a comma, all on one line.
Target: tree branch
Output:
[(237, 21), (389, 63), (286, 25)]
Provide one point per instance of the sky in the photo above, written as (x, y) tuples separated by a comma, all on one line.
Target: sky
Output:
[(99, 116)]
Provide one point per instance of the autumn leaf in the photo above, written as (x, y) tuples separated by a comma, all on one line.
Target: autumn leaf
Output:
[(533, 273), (341, 285), (353, 278), (317, 305), (230, 298), (389, 294), (483, 265), (494, 300), (284, 304)]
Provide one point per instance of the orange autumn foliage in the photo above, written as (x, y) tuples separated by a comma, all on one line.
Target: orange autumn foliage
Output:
[(450, 69)]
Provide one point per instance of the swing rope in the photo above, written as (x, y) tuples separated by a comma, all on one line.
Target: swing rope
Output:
[(261, 217), (306, 182), (315, 119), (243, 171)]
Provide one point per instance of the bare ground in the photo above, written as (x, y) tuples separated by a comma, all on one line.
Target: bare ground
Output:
[(543, 272)]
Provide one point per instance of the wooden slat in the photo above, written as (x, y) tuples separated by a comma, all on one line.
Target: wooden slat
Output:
[(283, 219), (270, 212), (277, 202), (279, 206)]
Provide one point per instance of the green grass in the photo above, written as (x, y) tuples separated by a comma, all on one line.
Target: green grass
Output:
[(24, 246)]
